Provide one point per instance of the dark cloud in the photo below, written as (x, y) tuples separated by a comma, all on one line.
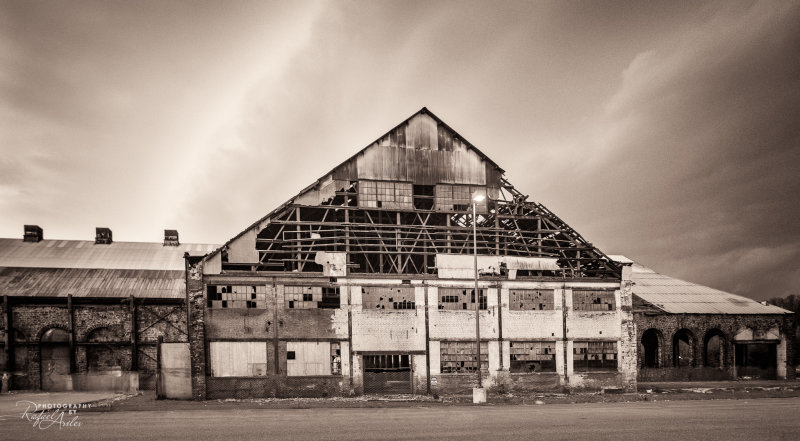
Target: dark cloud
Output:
[(664, 131), (695, 172)]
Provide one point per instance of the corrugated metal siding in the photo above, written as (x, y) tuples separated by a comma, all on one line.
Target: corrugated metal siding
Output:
[(681, 297), (426, 167), (85, 254), (82, 282)]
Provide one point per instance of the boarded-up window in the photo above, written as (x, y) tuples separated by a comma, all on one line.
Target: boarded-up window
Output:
[(374, 298), (237, 296), (458, 197), (238, 359), (594, 356), (592, 300), (313, 358), (533, 356), (460, 299), (310, 297), (460, 357), (385, 194), (531, 299)]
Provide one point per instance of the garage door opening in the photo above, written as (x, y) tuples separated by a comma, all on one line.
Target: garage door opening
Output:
[(387, 374), (757, 360)]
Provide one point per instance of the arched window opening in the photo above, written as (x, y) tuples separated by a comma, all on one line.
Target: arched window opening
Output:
[(683, 348), (55, 335), (651, 341), (714, 349)]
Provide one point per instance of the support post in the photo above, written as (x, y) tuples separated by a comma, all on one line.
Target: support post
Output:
[(477, 292), (8, 347), (159, 386), (70, 312), (134, 335), (427, 344)]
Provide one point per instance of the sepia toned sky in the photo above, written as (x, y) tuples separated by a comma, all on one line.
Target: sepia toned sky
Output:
[(665, 131)]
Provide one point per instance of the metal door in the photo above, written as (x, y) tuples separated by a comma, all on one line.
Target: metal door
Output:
[(175, 378)]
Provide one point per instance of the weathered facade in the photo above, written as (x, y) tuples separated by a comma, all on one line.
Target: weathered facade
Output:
[(691, 332), (89, 315), (364, 282)]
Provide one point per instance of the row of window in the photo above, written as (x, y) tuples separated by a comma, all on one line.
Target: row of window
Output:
[(402, 298), (406, 196), (249, 359)]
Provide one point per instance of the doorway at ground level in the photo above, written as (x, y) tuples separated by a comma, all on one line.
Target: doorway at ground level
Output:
[(387, 374), (757, 360)]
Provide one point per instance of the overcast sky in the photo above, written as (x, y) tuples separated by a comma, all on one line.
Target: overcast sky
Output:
[(668, 132)]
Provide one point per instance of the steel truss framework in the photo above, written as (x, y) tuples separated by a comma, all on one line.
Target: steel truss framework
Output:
[(392, 241)]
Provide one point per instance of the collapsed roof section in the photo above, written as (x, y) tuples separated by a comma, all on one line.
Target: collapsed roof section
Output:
[(404, 202)]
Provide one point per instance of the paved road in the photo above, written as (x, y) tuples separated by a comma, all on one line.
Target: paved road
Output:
[(777, 418)]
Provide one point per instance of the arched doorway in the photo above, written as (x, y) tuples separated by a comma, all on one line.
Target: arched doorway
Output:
[(683, 348), (651, 342), (714, 349), (55, 360)]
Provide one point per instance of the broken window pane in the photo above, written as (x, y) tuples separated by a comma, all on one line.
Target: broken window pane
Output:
[(385, 194), (236, 296), (531, 357), (460, 357), (381, 298), (531, 299), (594, 356), (460, 299), (592, 300)]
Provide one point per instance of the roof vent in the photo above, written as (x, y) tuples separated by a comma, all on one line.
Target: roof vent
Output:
[(171, 238), (102, 236), (33, 233)]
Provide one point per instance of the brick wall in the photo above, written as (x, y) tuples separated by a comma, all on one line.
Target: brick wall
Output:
[(111, 319), (700, 326)]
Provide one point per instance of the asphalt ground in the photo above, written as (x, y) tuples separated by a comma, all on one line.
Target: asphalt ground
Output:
[(707, 420)]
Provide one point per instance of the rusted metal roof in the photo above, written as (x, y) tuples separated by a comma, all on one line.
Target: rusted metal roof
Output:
[(86, 254), (81, 282), (681, 297), (56, 268)]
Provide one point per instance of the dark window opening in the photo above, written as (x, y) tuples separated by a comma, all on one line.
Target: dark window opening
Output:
[(330, 298), (714, 351), (683, 349), (423, 197), (652, 349), (757, 360)]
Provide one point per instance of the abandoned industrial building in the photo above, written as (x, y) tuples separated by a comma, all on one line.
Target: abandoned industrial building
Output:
[(365, 282)]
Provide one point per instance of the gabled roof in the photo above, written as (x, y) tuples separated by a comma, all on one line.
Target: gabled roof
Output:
[(80, 282), (51, 253), (56, 268), (677, 296), (422, 111), (423, 152)]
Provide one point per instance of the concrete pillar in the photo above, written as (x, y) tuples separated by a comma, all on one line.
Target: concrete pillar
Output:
[(196, 298)]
